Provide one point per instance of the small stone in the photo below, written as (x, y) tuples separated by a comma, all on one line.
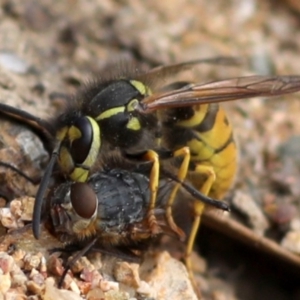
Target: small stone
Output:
[(33, 273), (16, 270), (80, 264), (16, 208), (27, 208), (33, 297), (31, 261), (53, 293), (15, 294), (167, 277), (34, 287), (280, 213), (13, 62), (37, 277), (95, 294), (295, 224), (145, 289), (94, 277), (5, 283), (6, 262), (74, 287), (18, 257), (116, 295), (109, 285), (84, 287), (128, 274), (7, 219), (291, 241), (55, 266), (43, 267), (245, 204), (19, 280), (68, 279)]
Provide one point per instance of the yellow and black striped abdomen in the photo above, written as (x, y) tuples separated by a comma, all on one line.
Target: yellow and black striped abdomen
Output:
[(206, 130)]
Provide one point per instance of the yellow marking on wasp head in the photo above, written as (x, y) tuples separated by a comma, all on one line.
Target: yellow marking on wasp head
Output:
[(65, 160), (134, 124), (61, 134), (74, 133)]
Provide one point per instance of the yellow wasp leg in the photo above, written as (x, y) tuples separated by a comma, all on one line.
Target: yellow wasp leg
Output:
[(152, 156), (181, 175), (208, 171)]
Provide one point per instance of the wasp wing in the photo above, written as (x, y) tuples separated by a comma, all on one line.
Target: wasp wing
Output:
[(157, 76), (220, 91)]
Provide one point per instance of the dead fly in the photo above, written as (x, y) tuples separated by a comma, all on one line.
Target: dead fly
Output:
[(109, 212)]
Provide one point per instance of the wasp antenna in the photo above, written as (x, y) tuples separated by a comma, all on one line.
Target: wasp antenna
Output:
[(36, 219), (205, 199), (197, 194), (37, 123)]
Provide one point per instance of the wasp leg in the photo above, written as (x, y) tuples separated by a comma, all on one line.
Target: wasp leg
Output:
[(210, 174), (74, 259), (181, 175), (152, 156)]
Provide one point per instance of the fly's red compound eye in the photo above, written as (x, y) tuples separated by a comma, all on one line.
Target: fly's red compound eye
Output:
[(83, 199)]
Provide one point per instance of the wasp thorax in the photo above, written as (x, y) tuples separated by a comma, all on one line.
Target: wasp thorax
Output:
[(115, 109)]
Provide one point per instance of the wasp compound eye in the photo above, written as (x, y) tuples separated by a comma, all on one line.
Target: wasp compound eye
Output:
[(81, 134), (83, 199)]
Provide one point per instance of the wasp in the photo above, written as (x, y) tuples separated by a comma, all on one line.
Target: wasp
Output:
[(136, 114), (102, 119)]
